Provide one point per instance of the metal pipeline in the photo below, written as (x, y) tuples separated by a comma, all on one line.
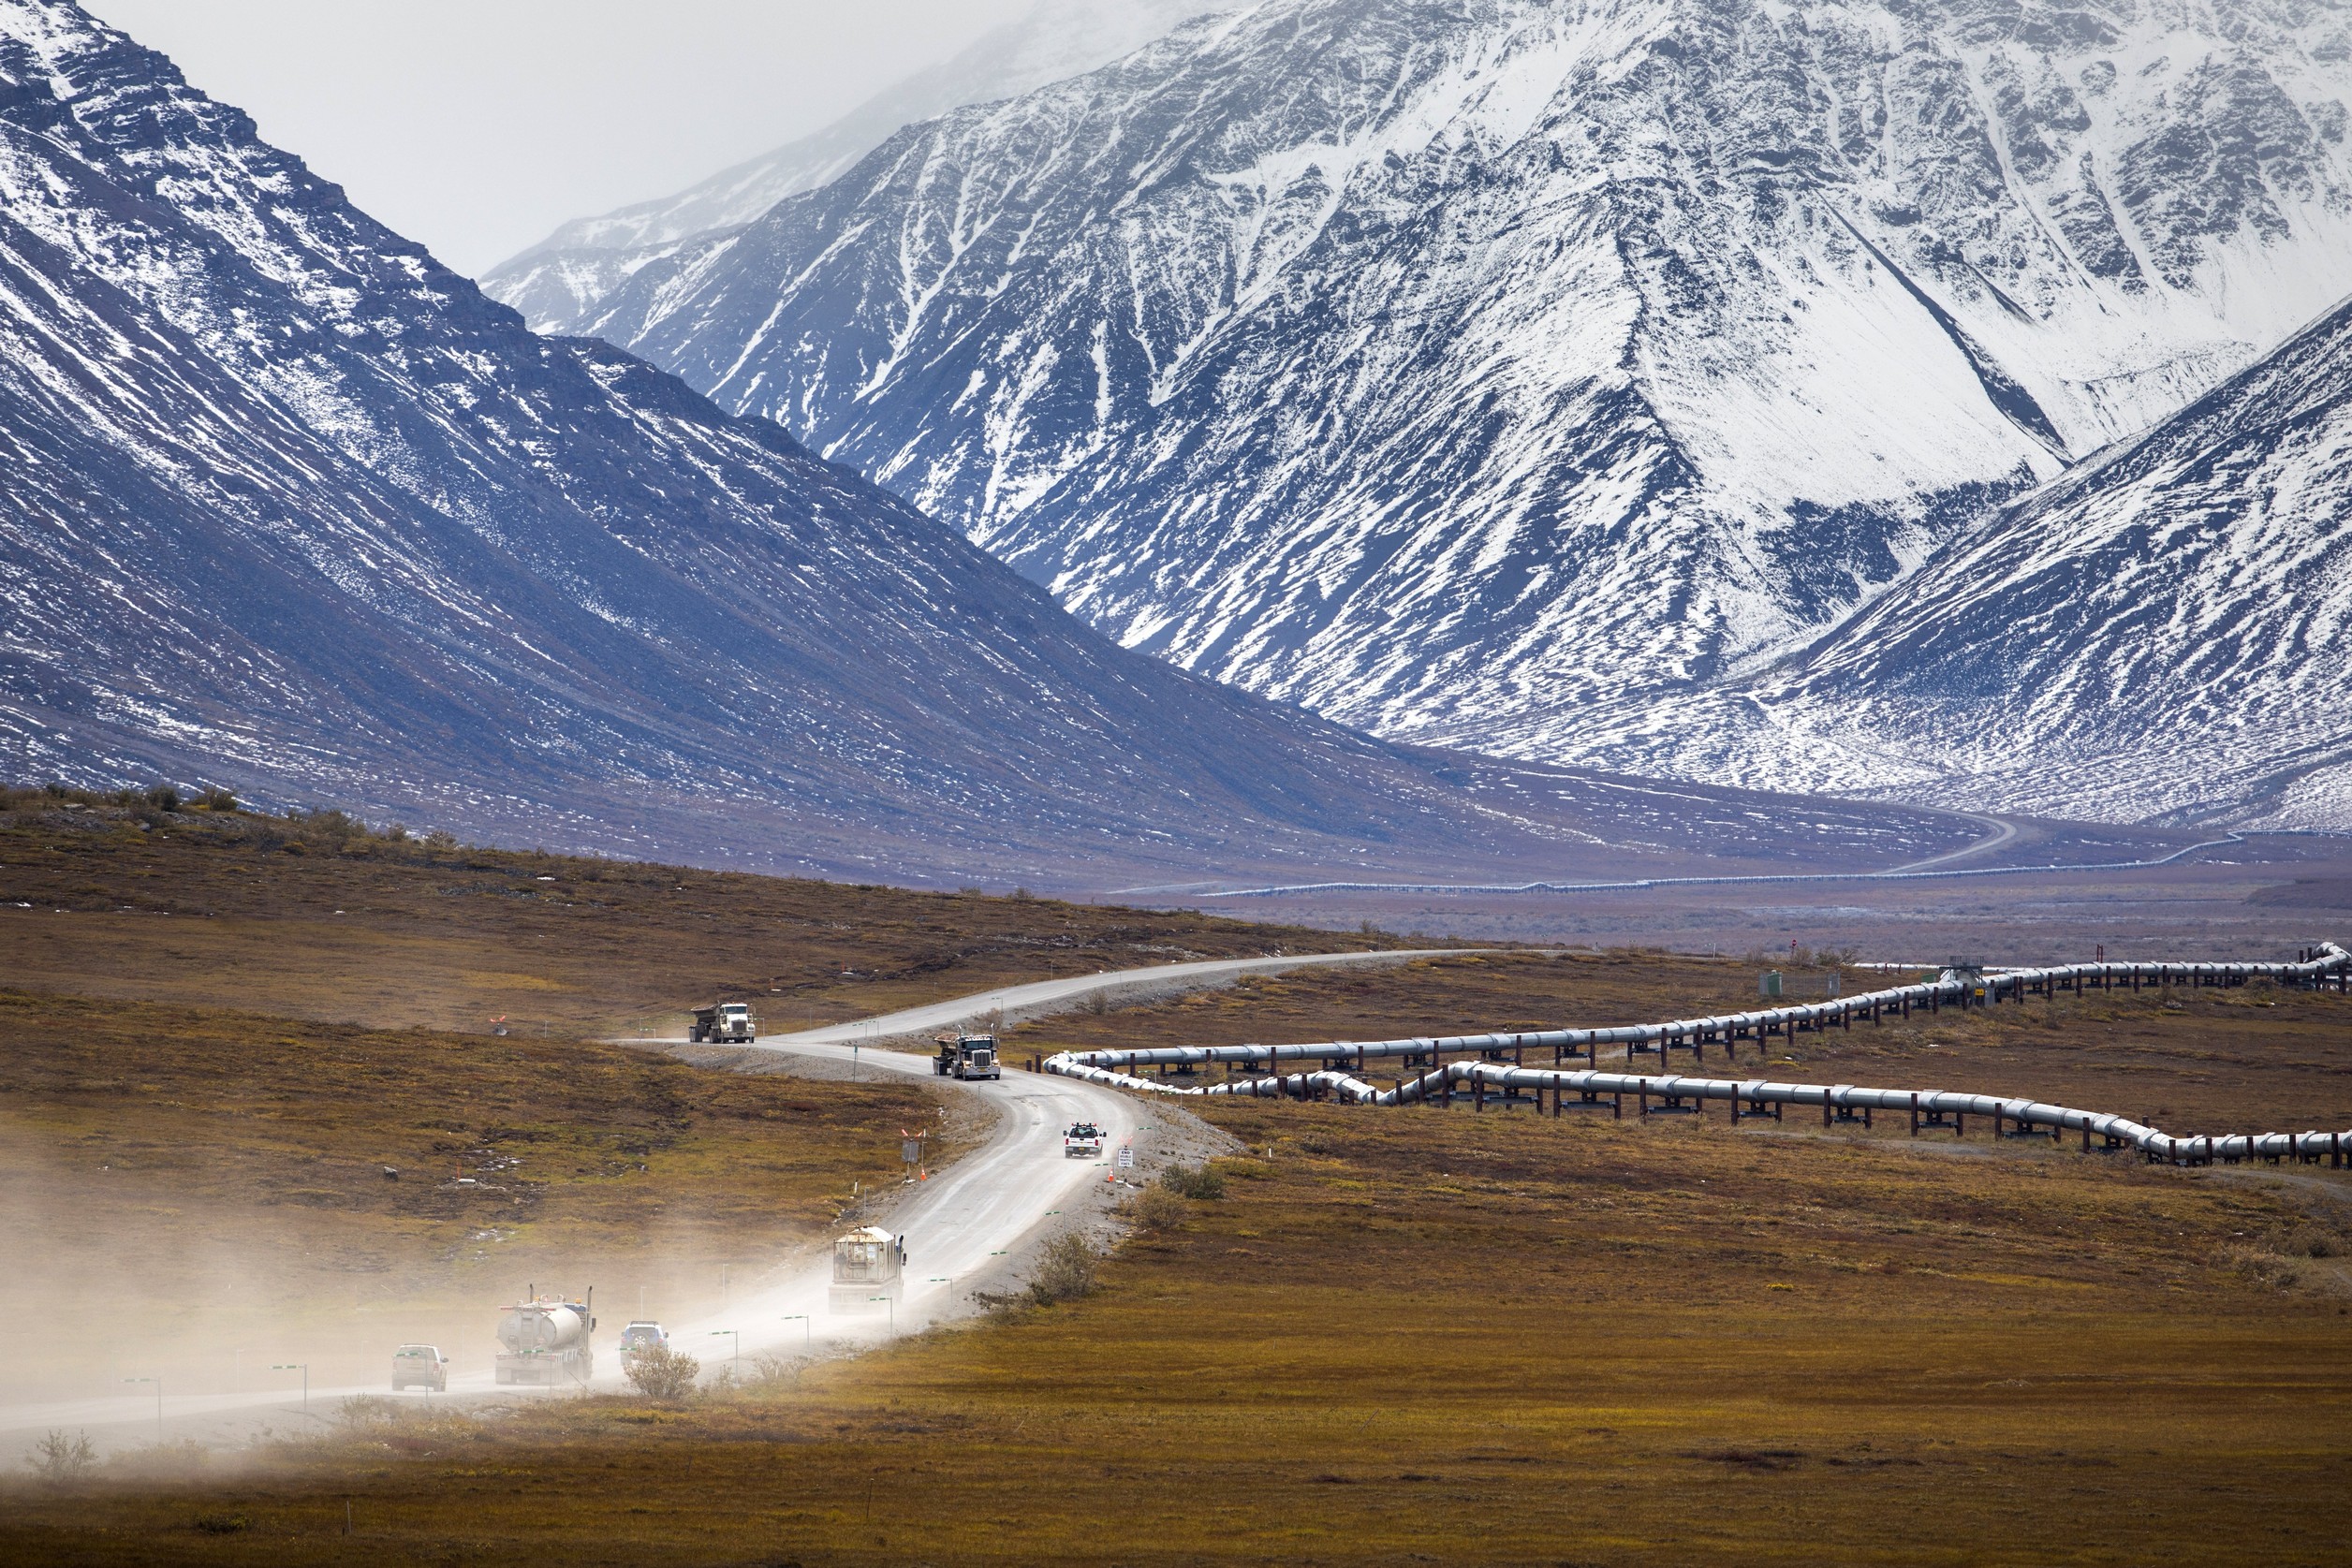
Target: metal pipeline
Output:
[(2327, 961)]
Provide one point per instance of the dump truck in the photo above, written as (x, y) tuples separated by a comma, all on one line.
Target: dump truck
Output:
[(546, 1340), (868, 1264), (724, 1023), (966, 1056), (421, 1367)]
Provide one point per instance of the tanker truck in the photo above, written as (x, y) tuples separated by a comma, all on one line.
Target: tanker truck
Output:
[(546, 1340), (868, 1266)]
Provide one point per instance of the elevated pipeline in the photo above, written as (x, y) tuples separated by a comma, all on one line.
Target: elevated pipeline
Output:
[(2326, 964)]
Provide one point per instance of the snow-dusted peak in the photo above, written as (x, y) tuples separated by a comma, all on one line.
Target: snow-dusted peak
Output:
[(558, 281), (1453, 366)]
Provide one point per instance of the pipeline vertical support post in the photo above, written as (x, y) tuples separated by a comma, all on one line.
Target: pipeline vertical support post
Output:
[(1617, 1108), (1915, 1113), (1478, 1089)]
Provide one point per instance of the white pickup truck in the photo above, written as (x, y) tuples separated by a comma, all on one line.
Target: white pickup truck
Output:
[(1083, 1141)]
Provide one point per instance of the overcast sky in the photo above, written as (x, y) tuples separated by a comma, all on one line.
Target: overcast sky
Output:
[(477, 125)]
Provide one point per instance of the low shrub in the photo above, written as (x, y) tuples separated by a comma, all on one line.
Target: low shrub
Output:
[(2311, 1241), (1157, 1208), (663, 1372), (368, 1410), (1065, 1270), (60, 1461), (1197, 1183)]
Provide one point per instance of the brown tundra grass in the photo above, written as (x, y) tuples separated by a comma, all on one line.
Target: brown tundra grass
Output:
[(1448, 1336)]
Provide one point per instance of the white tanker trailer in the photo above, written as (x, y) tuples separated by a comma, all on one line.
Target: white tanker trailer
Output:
[(546, 1340)]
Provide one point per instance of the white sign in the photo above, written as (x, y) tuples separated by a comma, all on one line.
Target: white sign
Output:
[(1126, 1157)]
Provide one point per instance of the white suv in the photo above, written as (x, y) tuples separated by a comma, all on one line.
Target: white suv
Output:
[(421, 1367)]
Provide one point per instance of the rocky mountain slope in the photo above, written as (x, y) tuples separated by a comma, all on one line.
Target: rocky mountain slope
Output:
[(562, 280), (286, 505), (2164, 634), (1468, 370)]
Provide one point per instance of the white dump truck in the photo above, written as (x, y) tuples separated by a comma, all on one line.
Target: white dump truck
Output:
[(724, 1023), (868, 1264), (546, 1341)]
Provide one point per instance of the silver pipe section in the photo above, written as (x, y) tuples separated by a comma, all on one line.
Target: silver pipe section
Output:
[(1751, 1095), (2329, 962)]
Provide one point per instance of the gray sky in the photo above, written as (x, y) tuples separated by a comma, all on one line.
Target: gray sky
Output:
[(477, 125)]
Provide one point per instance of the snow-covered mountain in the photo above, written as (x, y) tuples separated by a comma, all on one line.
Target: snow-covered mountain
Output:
[(2166, 633), (286, 505), (560, 280), (1467, 369)]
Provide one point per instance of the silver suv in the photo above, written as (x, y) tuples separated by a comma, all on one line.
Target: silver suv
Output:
[(421, 1367)]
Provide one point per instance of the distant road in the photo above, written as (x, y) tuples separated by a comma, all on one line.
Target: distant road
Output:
[(2003, 833), (1052, 995), (1908, 874)]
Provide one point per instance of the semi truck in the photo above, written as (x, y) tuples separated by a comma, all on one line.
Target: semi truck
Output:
[(966, 1056), (546, 1340), (724, 1023), (867, 1263)]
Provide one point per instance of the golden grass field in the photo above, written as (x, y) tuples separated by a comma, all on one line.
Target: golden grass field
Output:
[(216, 1031), (309, 919), (1431, 1335)]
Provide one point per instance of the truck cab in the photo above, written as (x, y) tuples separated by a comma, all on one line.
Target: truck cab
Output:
[(724, 1023), (421, 1367), (967, 1056)]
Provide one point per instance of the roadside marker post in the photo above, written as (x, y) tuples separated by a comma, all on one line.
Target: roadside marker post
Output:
[(302, 1366)]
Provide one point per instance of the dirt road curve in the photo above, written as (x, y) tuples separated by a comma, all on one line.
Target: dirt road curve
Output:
[(969, 1224), (1047, 996)]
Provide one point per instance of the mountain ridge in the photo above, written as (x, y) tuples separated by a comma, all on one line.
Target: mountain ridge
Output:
[(291, 507), (1470, 370)]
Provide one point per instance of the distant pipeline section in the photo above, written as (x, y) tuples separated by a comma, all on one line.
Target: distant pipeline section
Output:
[(1501, 1066)]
